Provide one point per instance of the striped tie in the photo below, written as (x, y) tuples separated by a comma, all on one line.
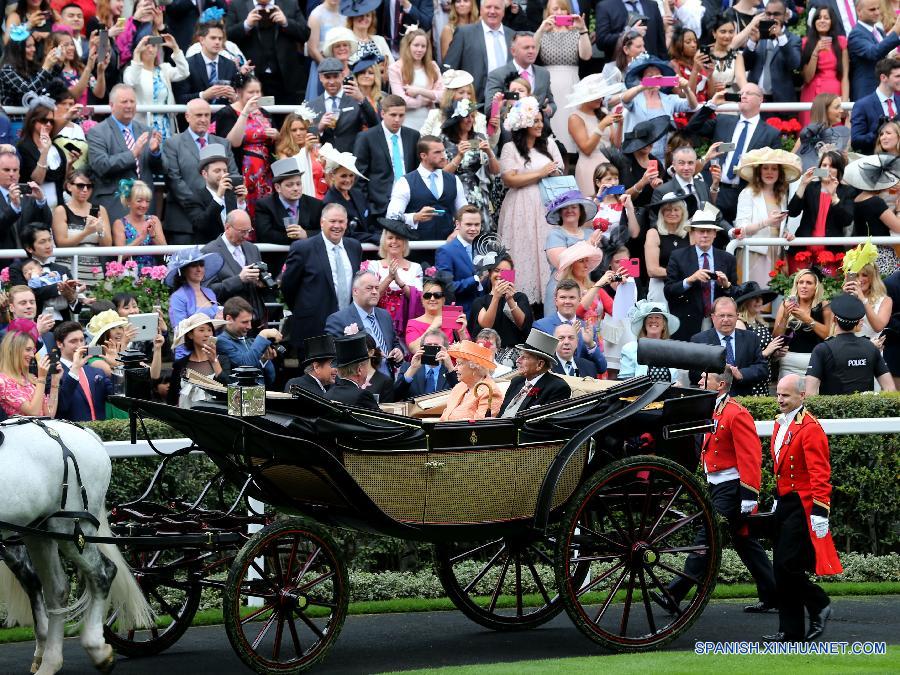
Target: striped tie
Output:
[(376, 333), (129, 143)]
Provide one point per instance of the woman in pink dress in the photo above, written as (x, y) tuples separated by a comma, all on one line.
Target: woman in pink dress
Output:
[(20, 392), (434, 296), (396, 275), (524, 163), (824, 60)]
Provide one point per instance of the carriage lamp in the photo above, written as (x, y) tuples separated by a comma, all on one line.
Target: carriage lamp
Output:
[(136, 374), (246, 398)]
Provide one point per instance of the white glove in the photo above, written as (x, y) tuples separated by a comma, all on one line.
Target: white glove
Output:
[(819, 525), (774, 506), (747, 505)]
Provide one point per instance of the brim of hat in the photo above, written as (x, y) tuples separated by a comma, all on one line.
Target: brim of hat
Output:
[(400, 229), (670, 200), (855, 178), (791, 173), (672, 322), (352, 169), (344, 364), (328, 47), (590, 210), (115, 324), (560, 273), (210, 160), (766, 295), (580, 97), (212, 263), (363, 8), (216, 323), (704, 225), (461, 82), (468, 356), (633, 144), (536, 352), (633, 77), (284, 176)]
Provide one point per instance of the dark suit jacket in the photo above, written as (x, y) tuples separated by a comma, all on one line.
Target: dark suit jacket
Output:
[(892, 343), (467, 52), (348, 393), (198, 79), (584, 367), (287, 40), (612, 17), (338, 321), (452, 258), (865, 52), (687, 305), (354, 117), (404, 389), (549, 390), (205, 213), (226, 284), (807, 208), (373, 159), (781, 69), (73, 405), (307, 382), (361, 224), (45, 293), (721, 128), (865, 118), (270, 215), (11, 223), (420, 13), (308, 287), (540, 87), (747, 357)]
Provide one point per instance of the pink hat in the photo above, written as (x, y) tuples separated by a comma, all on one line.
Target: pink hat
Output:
[(25, 326), (579, 251)]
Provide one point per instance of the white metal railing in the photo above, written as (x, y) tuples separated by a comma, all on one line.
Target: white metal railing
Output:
[(734, 244)]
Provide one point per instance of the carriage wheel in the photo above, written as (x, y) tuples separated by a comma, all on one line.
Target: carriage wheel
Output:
[(173, 591), (286, 598), (636, 521), (475, 577)]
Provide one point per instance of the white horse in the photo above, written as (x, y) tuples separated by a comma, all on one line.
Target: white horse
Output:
[(32, 477)]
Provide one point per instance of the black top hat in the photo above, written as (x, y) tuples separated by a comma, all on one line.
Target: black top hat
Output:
[(398, 227), (752, 290), (847, 308), (318, 348), (350, 349), (646, 133)]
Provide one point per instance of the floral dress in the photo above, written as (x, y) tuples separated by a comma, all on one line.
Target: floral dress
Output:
[(256, 166), (393, 299), (132, 239), (13, 394), (476, 181)]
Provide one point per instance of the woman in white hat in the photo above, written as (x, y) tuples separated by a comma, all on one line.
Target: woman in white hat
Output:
[(458, 84), (592, 129), (324, 19), (649, 319), (872, 217), (671, 232), (762, 206), (563, 41), (341, 176), (416, 77), (196, 333)]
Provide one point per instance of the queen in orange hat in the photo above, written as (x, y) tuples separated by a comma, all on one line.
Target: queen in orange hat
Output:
[(476, 396)]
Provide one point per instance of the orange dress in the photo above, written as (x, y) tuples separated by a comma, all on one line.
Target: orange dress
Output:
[(472, 404)]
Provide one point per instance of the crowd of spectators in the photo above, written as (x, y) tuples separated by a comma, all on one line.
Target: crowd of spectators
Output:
[(583, 169)]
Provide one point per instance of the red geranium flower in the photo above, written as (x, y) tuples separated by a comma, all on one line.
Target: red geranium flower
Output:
[(825, 257), (773, 274), (780, 264), (775, 122), (838, 257), (534, 391), (803, 256)]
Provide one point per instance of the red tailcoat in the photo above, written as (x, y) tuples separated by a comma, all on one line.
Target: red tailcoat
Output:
[(803, 466), (734, 443)]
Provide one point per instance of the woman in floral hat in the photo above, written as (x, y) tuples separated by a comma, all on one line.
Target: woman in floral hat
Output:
[(524, 163)]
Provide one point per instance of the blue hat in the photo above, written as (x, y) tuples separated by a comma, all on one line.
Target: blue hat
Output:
[(212, 263), (364, 64), (350, 8), (636, 70)]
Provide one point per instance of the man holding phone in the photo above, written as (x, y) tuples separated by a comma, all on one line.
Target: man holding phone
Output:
[(342, 110), (17, 208), (223, 194), (430, 369), (210, 70), (456, 257), (83, 389), (772, 58)]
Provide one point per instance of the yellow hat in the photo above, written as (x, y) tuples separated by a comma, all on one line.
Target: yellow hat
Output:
[(103, 322)]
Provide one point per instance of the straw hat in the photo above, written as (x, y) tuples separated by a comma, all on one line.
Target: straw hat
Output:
[(706, 218), (337, 35), (873, 173), (579, 251), (212, 263), (466, 350), (644, 308), (753, 158), (572, 197), (593, 88), (333, 159), (454, 79), (185, 326), (103, 322)]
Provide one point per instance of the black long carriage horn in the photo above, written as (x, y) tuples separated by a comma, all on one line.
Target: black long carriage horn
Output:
[(678, 354)]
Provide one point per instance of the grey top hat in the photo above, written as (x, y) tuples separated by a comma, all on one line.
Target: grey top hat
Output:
[(350, 349), (331, 65), (540, 344), (286, 168), (213, 152)]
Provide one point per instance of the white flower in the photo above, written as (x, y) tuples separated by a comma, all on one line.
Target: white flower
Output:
[(352, 329), (523, 114), (305, 113), (463, 108)]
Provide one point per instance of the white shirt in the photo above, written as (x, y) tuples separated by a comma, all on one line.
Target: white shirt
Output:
[(684, 185), (722, 337), (784, 421), (68, 365), (490, 37), (327, 100), (388, 136), (341, 251), (563, 363), (751, 129), (400, 196)]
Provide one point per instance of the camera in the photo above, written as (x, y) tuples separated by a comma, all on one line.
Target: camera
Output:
[(24, 189), (280, 349), (511, 95), (264, 275), (618, 277)]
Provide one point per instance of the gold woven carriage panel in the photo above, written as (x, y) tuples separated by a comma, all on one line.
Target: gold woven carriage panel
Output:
[(394, 481), (497, 484)]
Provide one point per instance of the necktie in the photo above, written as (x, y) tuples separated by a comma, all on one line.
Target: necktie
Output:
[(499, 47), (432, 184), (375, 332), (86, 388), (201, 142), (332, 102), (890, 107), (397, 156), (292, 210), (239, 257), (431, 381), (525, 76), (690, 188), (570, 369), (343, 292), (877, 34), (729, 350), (851, 15), (736, 155), (213, 72), (516, 401), (129, 143), (705, 289)]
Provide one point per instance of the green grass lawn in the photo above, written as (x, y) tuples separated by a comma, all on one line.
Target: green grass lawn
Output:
[(674, 663)]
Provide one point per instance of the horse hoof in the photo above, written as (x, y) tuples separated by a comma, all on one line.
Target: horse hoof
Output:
[(107, 664), (35, 664)]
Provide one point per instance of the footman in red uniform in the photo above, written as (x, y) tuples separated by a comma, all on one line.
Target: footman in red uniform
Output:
[(803, 543)]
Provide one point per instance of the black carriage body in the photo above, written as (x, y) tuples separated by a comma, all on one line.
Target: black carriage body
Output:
[(437, 481)]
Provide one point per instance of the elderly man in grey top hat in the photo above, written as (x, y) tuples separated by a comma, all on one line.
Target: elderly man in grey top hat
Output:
[(535, 385), (223, 194), (342, 110)]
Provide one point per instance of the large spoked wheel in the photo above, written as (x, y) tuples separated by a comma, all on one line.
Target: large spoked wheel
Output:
[(286, 598), (636, 522), (171, 587), (504, 584)]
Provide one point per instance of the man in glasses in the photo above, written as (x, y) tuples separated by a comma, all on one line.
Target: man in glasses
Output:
[(772, 58)]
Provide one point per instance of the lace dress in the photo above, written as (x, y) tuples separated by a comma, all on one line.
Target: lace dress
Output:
[(761, 330), (724, 70), (393, 299), (559, 53), (13, 394), (476, 181), (86, 263)]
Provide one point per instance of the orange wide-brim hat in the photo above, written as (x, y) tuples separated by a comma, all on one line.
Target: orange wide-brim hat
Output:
[(467, 350)]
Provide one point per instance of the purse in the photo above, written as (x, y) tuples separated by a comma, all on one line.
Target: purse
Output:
[(551, 186)]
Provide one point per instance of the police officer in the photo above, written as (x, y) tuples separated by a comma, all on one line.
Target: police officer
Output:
[(846, 363)]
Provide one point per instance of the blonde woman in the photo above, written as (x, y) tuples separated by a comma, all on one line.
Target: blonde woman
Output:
[(152, 80), (416, 77), (365, 27), (21, 393), (671, 233), (804, 319), (367, 72), (888, 139), (870, 289), (136, 228), (296, 140), (462, 13)]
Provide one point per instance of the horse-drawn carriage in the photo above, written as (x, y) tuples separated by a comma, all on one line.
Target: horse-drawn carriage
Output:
[(586, 505)]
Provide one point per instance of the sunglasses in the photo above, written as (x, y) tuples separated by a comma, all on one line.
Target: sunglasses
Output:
[(432, 296), (83, 186), (45, 120)]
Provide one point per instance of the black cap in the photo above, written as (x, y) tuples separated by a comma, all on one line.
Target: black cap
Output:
[(350, 349), (318, 348), (847, 308)]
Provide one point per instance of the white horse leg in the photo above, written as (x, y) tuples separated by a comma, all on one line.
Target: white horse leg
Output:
[(18, 565), (97, 572), (45, 556)]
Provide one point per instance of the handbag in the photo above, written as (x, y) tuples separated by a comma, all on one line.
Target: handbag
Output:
[(551, 186)]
